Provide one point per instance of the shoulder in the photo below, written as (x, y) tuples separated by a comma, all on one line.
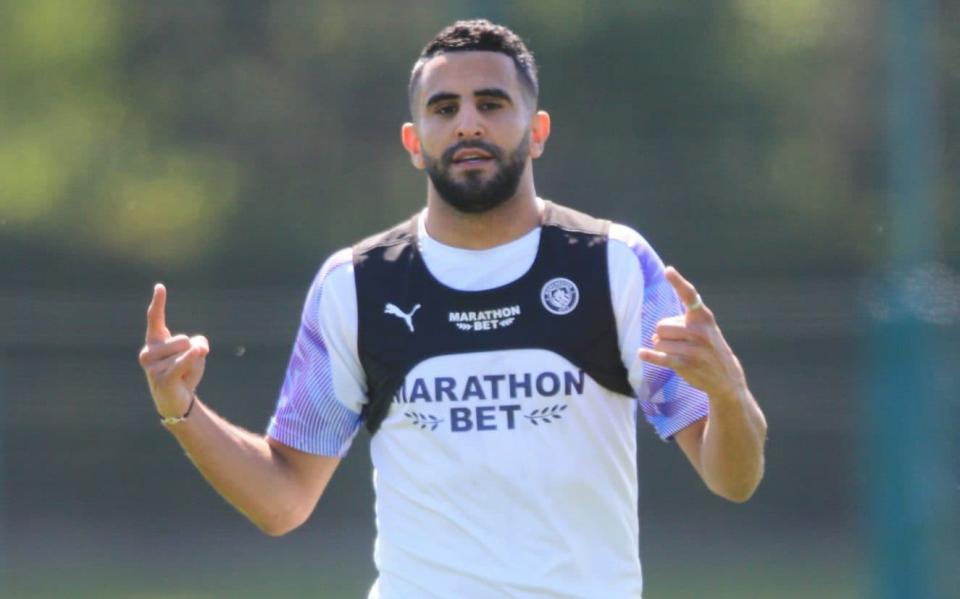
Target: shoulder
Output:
[(401, 234), (573, 221), (625, 244), (628, 249), (628, 252), (335, 278), (337, 266), (626, 240)]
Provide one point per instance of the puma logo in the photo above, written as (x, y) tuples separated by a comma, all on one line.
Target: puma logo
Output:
[(395, 311)]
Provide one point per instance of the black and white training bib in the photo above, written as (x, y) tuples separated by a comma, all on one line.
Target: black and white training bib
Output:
[(502, 387)]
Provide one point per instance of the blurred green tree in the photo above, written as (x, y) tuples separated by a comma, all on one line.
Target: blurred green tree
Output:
[(225, 142)]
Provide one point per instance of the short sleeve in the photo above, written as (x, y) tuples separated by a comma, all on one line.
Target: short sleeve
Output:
[(642, 297), (323, 391)]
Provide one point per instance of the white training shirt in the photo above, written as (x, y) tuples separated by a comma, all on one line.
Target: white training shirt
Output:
[(514, 510)]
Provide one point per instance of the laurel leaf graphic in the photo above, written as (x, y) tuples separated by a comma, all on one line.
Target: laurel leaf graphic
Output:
[(424, 421), (547, 414)]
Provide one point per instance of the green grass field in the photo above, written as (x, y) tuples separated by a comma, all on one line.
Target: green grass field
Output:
[(213, 564)]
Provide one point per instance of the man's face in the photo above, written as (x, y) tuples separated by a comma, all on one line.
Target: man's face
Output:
[(473, 125)]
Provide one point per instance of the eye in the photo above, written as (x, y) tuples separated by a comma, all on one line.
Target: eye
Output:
[(446, 110), (488, 106)]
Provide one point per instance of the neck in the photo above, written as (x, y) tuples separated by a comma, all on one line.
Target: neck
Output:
[(510, 220)]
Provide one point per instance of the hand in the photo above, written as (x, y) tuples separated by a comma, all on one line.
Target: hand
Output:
[(692, 345), (173, 364)]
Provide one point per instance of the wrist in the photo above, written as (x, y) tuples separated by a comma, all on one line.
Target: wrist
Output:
[(736, 394), (171, 420)]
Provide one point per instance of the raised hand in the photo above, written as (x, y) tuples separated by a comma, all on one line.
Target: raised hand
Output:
[(173, 363), (692, 345)]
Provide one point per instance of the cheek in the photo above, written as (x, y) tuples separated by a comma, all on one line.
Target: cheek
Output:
[(431, 141), (515, 128)]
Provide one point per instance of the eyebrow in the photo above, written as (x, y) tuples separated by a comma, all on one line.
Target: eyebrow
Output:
[(493, 92), (441, 97), (487, 92)]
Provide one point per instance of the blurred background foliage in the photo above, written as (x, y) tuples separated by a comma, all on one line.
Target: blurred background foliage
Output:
[(227, 147), (240, 142)]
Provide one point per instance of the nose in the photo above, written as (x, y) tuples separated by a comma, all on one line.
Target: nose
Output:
[(469, 125)]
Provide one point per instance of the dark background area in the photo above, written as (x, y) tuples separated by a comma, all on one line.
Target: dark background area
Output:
[(226, 148)]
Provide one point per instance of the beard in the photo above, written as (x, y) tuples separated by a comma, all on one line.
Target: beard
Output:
[(474, 195)]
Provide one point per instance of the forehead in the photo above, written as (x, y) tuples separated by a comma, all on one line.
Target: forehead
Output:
[(463, 72)]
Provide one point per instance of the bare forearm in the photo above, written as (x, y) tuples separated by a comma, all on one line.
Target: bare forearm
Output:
[(275, 486), (242, 467), (731, 452), (727, 448)]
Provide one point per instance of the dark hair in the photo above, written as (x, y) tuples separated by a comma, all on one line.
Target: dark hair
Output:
[(478, 35)]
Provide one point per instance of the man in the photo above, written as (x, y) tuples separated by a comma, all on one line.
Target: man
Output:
[(498, 347)]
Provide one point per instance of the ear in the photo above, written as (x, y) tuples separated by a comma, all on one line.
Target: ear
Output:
[(539, 132), (411, 142)]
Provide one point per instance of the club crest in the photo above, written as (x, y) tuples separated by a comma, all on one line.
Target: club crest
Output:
[(560, 296)]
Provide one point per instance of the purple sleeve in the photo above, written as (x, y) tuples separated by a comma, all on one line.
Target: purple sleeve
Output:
[(309, 417), (668, 402)]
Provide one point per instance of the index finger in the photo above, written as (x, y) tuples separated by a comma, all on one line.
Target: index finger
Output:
[(156, 315), (684, 288)]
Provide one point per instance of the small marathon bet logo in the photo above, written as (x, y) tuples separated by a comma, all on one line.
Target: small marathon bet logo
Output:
[(485, 320)]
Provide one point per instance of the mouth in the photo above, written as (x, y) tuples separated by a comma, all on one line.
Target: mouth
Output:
[(471, 157)]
